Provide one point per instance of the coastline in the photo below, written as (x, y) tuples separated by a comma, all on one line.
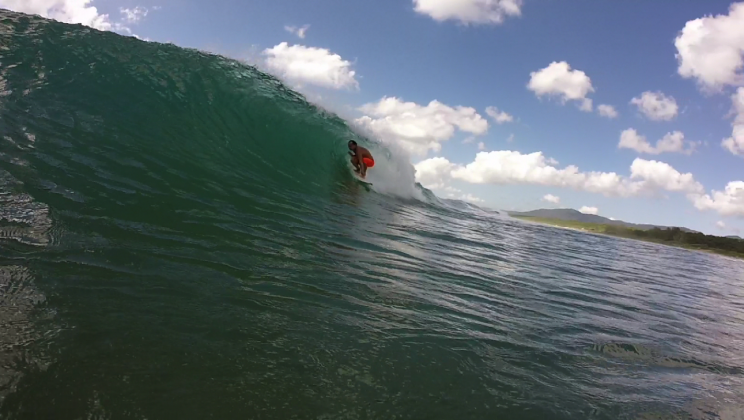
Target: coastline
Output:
[(622, 232)]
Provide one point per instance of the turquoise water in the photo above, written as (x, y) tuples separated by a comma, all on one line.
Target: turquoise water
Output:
[(163, 256)]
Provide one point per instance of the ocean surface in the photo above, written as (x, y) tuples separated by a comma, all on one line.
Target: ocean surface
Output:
[(181, 237)]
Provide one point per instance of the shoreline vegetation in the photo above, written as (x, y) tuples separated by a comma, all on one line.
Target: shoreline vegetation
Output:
[(672, 236)]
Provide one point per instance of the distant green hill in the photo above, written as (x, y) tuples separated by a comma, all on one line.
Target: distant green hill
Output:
[(575, 215), (674, 236)]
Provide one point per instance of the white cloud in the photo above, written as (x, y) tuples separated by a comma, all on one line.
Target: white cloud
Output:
[(133, 15), (673, 142), (300, 32), (470, 198), (469, 11), (510, 138), (76, 11), (499, 116), (589, 210), (511, 167), (729, 202), (454, 193), (721, 225), (630, 139), (434, 172), (652, 175), (586, 105), (481, 146), (559, 80), (550, 198), (711, 49), (656, 106), (419, 128), (735, 143), (316, 66), (607, 111)]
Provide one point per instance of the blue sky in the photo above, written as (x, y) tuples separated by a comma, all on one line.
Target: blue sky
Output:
[(416, 51)]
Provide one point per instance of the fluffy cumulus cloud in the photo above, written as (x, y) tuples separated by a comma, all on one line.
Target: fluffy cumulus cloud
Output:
[(550, 198), (721, 225), (434, 173), (69, 11), (729, 202), (77, 11), (469, 11), (735, 143), (559, 80), (607, 111), (711, 49), (589, 210), (315, 66), (299, 31), (511, 167), (673, 142), (656, 106), (653, 176), (420, 128), (500, 117)]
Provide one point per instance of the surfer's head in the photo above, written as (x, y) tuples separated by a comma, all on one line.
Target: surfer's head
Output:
[(352, 145)]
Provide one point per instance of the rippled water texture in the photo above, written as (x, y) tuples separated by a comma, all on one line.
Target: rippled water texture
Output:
[(162, 256)]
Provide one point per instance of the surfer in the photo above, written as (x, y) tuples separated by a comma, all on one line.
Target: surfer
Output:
[(361, 158)]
